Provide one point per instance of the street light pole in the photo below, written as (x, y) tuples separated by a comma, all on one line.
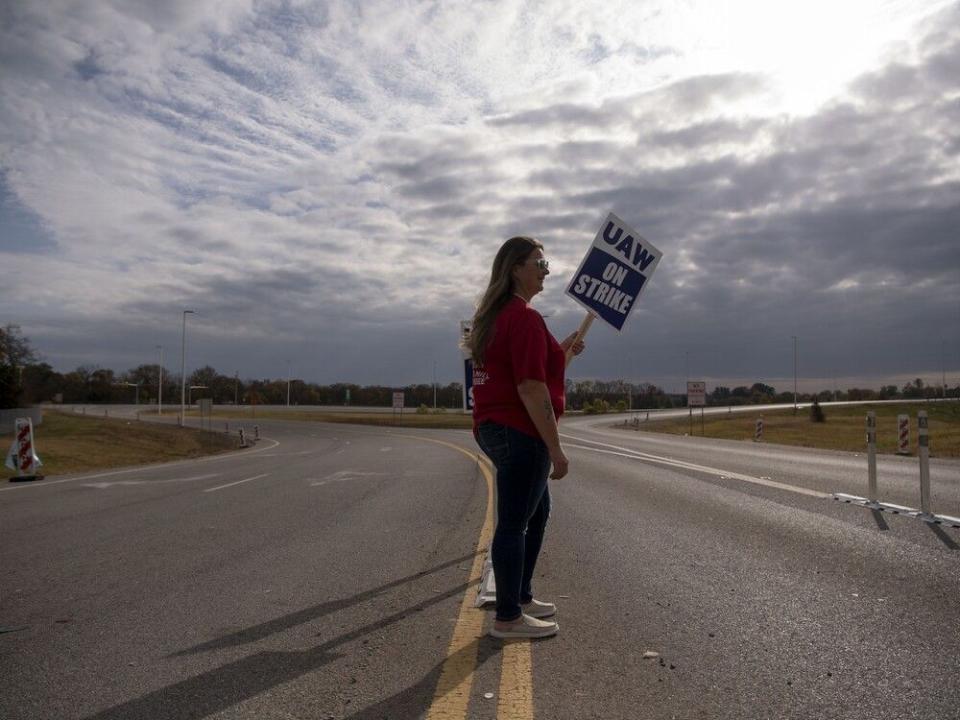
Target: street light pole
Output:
[(236, 388), (183, 368), (434, 384), (943, 367), (288, 383), (160, 381), (794, 373)]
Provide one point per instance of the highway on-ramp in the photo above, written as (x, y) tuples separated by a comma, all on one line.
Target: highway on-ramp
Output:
[(329, 572)]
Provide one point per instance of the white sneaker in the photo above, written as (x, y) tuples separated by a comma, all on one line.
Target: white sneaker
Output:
[(538, 609), (526, 627)]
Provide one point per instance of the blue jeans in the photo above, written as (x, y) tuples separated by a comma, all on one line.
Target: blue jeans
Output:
[(523, 506)]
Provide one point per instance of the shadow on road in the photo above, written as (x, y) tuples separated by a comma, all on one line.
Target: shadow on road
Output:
[(258, 632), (880, 519), (411, 703), (943, 535), (214, 691)]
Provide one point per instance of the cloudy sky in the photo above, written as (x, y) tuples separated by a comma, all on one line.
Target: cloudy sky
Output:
[(326, 183)]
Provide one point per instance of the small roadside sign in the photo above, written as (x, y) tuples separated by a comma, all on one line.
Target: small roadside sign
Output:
[(398, 400), (465, 328), (696, 393), (614, 272)]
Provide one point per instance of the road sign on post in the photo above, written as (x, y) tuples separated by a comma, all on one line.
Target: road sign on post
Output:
[(696, 393), (466, 327), (614, 272), (398, 403), (696, 397)]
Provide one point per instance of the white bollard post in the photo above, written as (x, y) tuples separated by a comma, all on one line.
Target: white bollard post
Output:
[(243, 440), (256, 432), (903, 434), (758, 432), (923, 450), (872, 456)]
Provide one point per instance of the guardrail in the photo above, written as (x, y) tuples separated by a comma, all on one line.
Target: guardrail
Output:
[(871, 502)]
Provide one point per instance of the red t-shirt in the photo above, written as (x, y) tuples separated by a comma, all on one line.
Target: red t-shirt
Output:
[(521, 349)]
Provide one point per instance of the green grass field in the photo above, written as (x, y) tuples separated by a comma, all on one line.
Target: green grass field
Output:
[(844, 429), (409, 418), (69, 443)]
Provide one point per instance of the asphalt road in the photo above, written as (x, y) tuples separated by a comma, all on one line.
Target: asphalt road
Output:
[(322, 574)]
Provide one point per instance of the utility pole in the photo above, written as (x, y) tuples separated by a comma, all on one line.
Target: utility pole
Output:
[(794, 373), (160, 381), (434, 384), (183, 364), (236, 388), (943, 366), (288, 383)]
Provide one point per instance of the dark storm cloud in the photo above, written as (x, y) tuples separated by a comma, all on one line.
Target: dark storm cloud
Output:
[(840, 228), (561, 114), (713, 132), (689, 96), (338, 195)]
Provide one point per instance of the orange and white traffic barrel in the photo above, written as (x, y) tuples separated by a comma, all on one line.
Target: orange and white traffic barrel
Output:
[(903, 434), (23, 457)]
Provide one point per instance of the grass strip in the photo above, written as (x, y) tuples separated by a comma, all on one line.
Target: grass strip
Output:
[(844, 428), (412, 419), (69, 443)]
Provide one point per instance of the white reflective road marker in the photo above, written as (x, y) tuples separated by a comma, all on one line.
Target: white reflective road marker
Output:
[(344, 476), (109, 483), (221, 487)]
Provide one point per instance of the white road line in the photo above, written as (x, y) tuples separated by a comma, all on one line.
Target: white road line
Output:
[(221, 487), (109, 483), (142, 468), (344, 476), (637, 455)]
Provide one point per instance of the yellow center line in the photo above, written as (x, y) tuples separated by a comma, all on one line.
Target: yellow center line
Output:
[(516, 682), (452, 696)]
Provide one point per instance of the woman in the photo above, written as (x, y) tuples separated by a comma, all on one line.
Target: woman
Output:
[(518, 395)]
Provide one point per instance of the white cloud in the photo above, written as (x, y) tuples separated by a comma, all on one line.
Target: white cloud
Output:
[(297, 168)]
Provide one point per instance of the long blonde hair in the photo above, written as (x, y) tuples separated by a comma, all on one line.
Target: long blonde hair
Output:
[(513, 252)]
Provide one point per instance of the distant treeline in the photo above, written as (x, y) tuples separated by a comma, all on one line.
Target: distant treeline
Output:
[(26, 381), (39, 382)]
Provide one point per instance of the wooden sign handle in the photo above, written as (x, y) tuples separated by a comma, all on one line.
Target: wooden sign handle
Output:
[(581, 333)]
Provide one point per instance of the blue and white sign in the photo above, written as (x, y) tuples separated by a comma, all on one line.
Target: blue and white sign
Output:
[(468, 384), (465, 328), (614, 272)]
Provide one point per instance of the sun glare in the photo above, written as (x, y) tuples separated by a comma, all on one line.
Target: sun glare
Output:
[(809, 50)]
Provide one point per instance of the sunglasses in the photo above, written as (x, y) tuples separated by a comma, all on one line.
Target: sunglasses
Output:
[(542, 264)]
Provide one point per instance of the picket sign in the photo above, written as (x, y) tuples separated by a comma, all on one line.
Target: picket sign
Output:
[(581, 333), (611, 276)]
